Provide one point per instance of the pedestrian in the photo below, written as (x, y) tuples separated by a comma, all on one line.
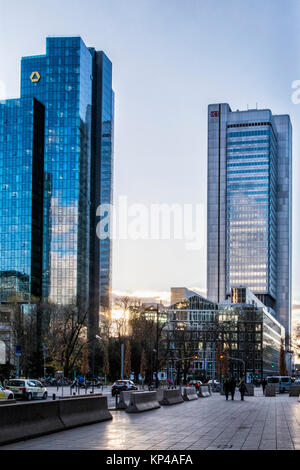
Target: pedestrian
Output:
[(226, 388), (242, 389), (232, 385), (264, 384)]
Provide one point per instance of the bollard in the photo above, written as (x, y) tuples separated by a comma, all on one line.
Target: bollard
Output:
[(53, 396), (85, 389)]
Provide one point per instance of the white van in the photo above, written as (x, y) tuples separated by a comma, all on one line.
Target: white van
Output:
[(282, 382)]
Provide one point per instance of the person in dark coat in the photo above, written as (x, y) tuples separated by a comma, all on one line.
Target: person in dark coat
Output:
[(226, 388), (232, 385), (264, 384), (242, 389)]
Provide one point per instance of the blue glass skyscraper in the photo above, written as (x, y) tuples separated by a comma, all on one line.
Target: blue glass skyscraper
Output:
[(74, 83), (21, 199)]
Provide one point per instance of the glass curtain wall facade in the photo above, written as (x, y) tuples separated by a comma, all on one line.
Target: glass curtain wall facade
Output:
[(65, 89), (249, 206), (101, 177), (242, 331), (74, 84), (21, 199)]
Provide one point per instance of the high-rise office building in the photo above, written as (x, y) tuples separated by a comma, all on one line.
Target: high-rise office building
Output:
[(74, 84), (249, 206), (21, 199)]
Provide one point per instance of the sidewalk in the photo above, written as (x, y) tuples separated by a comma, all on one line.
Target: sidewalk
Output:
[(210, 423)]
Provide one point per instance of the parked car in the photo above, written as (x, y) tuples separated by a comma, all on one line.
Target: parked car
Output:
[(6, 394), (194, 383), (27, 389), (215, 385), (216, 382), (121, 386)]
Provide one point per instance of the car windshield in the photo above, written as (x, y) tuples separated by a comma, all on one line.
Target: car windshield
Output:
[(285, 379), (16, 383), (1, 388), (273, 380)]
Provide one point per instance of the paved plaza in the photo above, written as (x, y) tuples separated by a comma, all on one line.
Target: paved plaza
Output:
[(266, 423)]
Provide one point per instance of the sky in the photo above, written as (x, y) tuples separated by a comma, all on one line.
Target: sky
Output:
[(171, 58)]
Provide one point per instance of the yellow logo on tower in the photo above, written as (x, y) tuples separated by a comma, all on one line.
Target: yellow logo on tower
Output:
[(35, 77)]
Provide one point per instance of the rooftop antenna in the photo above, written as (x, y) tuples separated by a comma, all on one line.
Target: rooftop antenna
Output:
[(256, 105)]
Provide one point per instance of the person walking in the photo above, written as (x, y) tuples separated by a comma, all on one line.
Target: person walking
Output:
[(232, 385), (242, 389), (226, 388), (264, 384)]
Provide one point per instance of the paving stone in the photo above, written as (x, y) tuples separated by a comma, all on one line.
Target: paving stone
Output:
[(257, 423)]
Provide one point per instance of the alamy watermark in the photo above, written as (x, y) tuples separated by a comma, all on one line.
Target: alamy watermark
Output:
[(138, 221)]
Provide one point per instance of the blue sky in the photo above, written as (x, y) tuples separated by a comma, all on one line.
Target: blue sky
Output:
[(171, 58)]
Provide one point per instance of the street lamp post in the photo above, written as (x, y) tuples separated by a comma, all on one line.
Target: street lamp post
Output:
[(152, 352), (93, 367), (44, 359), (157, 341), (122, 361)]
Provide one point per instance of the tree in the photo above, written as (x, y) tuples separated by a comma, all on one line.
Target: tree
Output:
[(296, 342), (85, 361), (183, 349), (26, 328), (282, 360), (127, 360), (66, 338)]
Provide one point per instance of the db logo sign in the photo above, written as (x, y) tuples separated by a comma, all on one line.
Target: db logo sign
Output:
[(214, 114)]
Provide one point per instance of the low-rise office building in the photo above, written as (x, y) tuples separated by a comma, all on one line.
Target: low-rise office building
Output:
[(240, 329)]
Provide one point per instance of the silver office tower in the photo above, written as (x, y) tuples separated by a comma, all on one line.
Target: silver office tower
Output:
[(249, 206)]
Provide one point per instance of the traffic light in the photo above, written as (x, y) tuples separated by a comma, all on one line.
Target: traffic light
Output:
[(221, 356), (196, 356), (272, 365)]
